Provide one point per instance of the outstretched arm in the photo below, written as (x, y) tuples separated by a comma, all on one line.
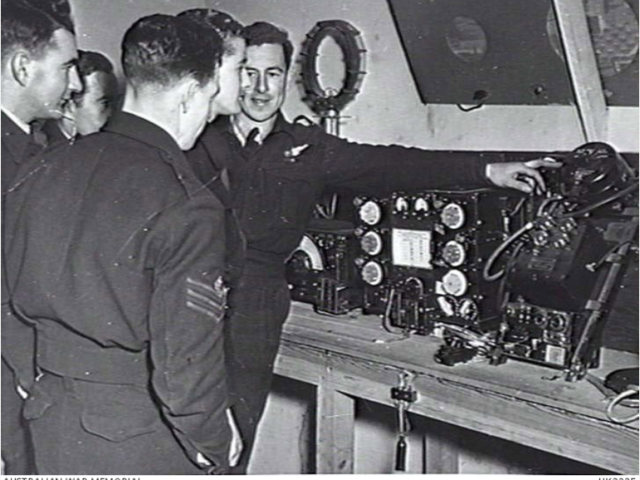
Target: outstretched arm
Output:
[(523, 176)]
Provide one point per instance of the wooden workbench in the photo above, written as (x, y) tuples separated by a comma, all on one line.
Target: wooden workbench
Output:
[(351, 356)]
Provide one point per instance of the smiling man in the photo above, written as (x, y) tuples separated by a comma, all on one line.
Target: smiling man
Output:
[(87, 111), (278, 172), (116, 258)]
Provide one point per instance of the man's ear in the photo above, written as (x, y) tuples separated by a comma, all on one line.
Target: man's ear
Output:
[(188, 90), (21, 65)]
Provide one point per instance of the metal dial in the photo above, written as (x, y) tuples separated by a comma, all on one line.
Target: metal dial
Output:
[(557, 322), (421, 205), (453, 216), (372, 273), (447, 305), (371, 243), (455, 283), (402, 205), (370, 213), (468, 309), (454, 253)]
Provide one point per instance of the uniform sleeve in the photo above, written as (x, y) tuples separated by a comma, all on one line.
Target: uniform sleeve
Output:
[(377, 169), (18, 345), (18, 338), (186, 327)]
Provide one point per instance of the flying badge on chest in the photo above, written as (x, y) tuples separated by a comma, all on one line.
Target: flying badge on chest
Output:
[(293, 153), (208, 299)]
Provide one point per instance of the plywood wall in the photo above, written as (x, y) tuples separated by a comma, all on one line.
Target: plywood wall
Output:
[(389, 110)]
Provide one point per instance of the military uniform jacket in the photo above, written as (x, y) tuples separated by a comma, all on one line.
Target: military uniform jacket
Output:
[(115, 255), (274, 186), (17, 337)]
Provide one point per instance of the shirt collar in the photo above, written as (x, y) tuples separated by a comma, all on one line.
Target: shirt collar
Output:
[(144, 130), (25, 127), (228, 125)]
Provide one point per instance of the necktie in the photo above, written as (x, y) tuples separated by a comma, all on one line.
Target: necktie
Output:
[(252, 145)]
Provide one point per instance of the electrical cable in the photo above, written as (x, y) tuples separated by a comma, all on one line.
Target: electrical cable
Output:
[(600, 203), (387, 317), (486, 275), (547, 201), (469, 109), (501, 295), (631, 391), (518, 207), (596, 265)]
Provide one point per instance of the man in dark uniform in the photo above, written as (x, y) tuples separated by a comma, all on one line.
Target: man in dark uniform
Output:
[(115, 256), (38, 75), (209, 164), (278, 172), (87, 111)]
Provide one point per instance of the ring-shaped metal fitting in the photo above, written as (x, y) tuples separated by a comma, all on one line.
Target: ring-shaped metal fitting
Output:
[(348, 39)]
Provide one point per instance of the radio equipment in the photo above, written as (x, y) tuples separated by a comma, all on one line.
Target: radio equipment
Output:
[(421, 257), (565, 261), (542, 335), (321, 270)]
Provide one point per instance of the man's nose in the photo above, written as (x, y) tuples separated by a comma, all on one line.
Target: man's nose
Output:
[(262, 85), (74, 84)]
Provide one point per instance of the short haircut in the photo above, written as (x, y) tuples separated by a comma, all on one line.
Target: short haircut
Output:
[(262, 33), (91, 62), (224, 24), (163, 49), (30, 24)]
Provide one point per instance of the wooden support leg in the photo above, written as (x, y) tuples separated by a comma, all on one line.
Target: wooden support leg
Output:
[(441, 449), (335, 425)]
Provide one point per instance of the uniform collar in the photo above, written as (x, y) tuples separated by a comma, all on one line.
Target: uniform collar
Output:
[(225, 125), (24, 127), (138, 128), (19, 143)]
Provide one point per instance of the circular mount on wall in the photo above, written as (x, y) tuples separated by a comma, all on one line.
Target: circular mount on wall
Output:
[(349, 40)]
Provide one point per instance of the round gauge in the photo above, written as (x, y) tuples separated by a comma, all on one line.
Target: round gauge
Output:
[(401, 204), (370, 213), (371, 243), (372, 273), (453, 216), (455, 283), (469, 309), (447, 305), (454, 253), (421, 205), (557, 322)]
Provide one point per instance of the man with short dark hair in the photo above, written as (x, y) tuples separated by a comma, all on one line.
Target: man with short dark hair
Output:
[(116, 258), (279, 171), (208, 163), (87, 111), (38, 76)]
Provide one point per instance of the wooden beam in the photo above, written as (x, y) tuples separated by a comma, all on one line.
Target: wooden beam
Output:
[(583, 68), (441, 449), (517, 402), (335, 427)]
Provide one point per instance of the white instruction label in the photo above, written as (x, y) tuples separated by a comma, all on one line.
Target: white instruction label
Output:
[(411, 248)]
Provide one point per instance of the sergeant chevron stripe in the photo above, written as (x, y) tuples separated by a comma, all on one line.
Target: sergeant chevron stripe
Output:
[(209, 300)]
